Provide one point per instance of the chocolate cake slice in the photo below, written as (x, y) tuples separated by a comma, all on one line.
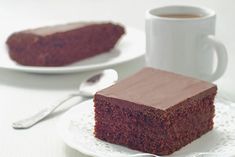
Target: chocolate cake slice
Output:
[(154, 111), (63, 44)]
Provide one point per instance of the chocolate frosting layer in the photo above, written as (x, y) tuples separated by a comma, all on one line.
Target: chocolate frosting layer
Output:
[(157, 88)]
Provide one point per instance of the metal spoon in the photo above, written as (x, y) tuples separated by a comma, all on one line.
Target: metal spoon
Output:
[(87, 89)]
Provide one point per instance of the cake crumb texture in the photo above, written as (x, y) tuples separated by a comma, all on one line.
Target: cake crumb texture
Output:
[(150, 129)]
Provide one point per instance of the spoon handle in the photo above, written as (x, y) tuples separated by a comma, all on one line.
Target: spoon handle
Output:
[(32, 120)]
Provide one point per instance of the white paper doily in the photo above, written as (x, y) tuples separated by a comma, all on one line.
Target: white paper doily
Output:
[(76, 129)]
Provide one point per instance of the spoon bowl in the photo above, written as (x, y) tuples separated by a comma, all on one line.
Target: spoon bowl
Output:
[(96, 82)]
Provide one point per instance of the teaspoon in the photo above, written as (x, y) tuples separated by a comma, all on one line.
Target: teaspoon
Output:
[(87, 89)]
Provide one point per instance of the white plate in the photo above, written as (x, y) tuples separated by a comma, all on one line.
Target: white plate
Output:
[(130, 46), (76, 129)]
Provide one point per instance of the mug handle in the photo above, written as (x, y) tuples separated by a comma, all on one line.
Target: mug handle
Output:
[(222, 57)]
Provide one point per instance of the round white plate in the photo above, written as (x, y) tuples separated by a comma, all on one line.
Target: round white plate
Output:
[(129, 47), (76, 129)]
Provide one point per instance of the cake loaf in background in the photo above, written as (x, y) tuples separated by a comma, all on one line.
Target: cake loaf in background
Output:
[(63, 44)]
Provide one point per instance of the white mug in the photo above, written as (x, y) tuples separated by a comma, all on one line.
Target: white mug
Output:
[(184, 44)]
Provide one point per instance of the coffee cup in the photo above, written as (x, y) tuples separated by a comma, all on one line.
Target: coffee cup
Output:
[(181, 39)]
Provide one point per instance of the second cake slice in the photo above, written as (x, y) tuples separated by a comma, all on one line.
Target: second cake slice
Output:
[(63, 44)]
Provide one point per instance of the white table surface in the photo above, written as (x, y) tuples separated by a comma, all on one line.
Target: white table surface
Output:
[(23, 93)]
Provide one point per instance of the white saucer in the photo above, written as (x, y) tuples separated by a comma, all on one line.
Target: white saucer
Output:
[(130, 46), (76, 129)]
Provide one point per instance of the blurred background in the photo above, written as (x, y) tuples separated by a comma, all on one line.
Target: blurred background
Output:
[(17, 15)]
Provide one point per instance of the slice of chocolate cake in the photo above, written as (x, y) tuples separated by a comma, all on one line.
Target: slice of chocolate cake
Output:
[(154, 111), (63, 44)]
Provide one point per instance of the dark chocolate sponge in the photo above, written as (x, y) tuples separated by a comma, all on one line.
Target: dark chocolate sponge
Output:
[(62, 44), (154, 111)]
